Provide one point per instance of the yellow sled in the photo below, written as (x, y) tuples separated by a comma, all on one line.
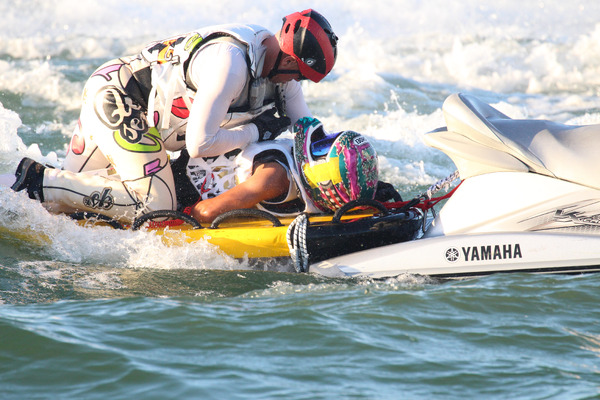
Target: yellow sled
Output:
[(253, 233)]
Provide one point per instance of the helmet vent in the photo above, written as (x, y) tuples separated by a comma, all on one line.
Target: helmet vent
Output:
[(311, 42)]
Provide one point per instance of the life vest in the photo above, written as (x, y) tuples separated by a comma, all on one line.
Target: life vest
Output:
[(215, 175), (171, 96)]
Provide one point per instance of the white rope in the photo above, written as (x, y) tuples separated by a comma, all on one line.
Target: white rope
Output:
[(441, 184), (296, 239)]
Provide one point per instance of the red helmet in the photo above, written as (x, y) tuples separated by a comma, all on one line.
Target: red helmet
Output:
[(307, 36)]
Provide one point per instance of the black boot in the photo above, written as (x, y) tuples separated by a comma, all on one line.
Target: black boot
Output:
[(30, 176)]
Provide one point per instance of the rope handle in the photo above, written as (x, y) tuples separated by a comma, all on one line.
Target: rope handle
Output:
[(177, 218), (247, 213), (86, 215), (358, 203)]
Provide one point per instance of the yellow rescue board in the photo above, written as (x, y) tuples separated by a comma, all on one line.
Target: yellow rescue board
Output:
[(243, 237)]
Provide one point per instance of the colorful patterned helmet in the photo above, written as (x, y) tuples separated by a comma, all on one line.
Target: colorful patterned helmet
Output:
[(308, 37), (334, 168)]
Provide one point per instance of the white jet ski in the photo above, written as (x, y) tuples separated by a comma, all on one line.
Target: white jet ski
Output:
[(529, 201)]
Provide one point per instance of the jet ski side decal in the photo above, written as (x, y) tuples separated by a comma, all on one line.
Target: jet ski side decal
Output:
[(485, 253)]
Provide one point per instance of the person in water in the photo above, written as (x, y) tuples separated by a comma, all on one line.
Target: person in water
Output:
[(210, 91)]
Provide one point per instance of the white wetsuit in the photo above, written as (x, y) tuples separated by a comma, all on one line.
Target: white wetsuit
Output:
[(197, 91)]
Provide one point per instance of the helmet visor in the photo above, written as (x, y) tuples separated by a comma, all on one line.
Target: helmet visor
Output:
[(321, 147)]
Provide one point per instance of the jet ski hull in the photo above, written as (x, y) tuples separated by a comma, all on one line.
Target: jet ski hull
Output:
[(471, 255)]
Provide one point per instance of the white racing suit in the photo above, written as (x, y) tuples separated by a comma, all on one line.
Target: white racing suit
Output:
[(135, 110), (213, 176)]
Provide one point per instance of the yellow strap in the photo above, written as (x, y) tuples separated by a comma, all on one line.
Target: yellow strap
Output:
[(324, 172)]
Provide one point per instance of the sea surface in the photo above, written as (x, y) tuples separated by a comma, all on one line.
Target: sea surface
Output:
[(99, 313)]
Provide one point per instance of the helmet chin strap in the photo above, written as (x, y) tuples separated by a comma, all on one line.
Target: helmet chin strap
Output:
[(276, 69)]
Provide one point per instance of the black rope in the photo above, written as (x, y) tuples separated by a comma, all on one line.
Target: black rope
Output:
[(170, 214), (358, 203), (86, 215), (246, 213)]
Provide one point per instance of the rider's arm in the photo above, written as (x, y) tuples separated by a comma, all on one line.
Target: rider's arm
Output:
[(219, 72), (269, 180)]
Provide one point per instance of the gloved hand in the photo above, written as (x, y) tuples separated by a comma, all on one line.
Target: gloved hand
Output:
[(386, 192), (269, 126)]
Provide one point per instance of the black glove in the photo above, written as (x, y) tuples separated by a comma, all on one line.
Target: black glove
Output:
[(386, 192), (269, 126)]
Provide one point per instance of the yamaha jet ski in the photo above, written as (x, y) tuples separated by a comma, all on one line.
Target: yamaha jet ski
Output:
[(528, 201)]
